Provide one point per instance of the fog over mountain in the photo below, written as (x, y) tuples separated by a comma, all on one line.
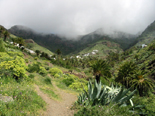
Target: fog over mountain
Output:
[(78, 17)]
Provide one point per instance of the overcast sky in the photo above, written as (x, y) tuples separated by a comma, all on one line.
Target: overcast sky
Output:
[(77, 17)]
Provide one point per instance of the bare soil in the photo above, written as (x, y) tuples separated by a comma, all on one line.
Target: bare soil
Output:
[(58, 108)]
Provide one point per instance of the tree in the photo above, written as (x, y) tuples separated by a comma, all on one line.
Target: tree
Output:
[(6, 34), (142, 83), (100, 67), (1, 30), (125, 73), (58, 52), (37, 52), (2, 48), (20, 41)]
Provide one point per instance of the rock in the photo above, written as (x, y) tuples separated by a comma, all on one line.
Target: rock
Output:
[(6, 98)]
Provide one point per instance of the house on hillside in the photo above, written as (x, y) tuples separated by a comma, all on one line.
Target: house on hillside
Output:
[(144, 45)]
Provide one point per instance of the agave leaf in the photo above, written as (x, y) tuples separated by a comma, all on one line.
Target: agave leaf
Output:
[(98, 89), (131, 102), (121, 95), (118, 97), (128, 97), (90, 90), (95, 90)]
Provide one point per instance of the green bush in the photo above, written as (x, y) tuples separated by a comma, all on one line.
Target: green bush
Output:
[(31, 76), (152, 47), (26, 60), (47, 80), (104, 111), (42, 71), (68, 81), (54, 71), (36, 58), (35, 67), (2, 48), (47, 68), (57, 76), (16, 66)]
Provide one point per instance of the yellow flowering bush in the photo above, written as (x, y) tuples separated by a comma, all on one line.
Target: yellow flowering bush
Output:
[(74, 82), (42, 71), (77, 85), (54, 71), (15, 65), (15, 53)]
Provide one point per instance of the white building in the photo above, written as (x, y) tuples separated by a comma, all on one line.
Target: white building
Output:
[(144, 45)]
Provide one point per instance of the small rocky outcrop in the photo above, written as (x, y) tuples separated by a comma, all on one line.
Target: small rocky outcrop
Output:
[(6, 98)]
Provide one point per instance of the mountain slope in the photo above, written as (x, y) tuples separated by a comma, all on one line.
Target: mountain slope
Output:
[(54, 42), (147, 36), (103, 47)]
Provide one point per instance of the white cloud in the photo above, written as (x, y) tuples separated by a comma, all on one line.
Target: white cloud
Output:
[(76, 17)]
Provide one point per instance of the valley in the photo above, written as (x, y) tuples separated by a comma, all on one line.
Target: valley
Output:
[(97, 74)]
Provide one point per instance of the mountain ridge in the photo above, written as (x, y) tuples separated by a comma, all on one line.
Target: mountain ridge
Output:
[(54, 42)]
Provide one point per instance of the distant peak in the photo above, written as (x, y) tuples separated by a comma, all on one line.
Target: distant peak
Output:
[(21, 27)]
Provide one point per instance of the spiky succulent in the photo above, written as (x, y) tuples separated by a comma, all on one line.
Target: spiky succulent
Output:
[(104, 95)]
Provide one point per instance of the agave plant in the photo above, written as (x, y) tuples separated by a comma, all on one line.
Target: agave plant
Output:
[(105, 95), (96, 95)]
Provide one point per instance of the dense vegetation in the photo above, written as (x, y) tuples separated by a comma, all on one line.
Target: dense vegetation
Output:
[(121, 83), (76, 45)]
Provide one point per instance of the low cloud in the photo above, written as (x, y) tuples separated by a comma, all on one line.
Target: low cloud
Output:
[(78, 17)]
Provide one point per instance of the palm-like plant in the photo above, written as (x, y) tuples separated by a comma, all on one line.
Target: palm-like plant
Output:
[(20, 41), (6, 34), (125, 73), (142, 84), (100, 67), (58, 52), (2, 47), (37, 52)]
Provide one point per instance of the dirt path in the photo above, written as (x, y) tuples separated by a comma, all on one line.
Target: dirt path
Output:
[(58, 108)]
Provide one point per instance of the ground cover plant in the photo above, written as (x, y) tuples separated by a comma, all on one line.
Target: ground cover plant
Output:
[(25, 101), (133, 71)]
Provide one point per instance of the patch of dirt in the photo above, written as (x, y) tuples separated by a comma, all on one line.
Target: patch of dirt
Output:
[(80, 75), (58, 108)]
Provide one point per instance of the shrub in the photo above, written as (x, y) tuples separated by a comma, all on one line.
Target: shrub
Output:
[(68, 81), (35, 67), (2, 48), (77, 85), (103, 111), (42, 71), (152, 47), (57, 76), (26, 60), (16, 54), (31, 76), (54, 71), (15, 65), (47, 68), (47, 80), (36, 58)]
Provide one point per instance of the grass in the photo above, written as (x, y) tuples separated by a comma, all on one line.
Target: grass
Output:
[(46, 86), (47, 90), (38, 47), (102, 49), (25, 99), (62, 86)]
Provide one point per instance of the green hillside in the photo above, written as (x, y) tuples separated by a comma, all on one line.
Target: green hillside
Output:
[(147, 36), (34, 46), (72, 46), (104, 47), (121, 84)]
